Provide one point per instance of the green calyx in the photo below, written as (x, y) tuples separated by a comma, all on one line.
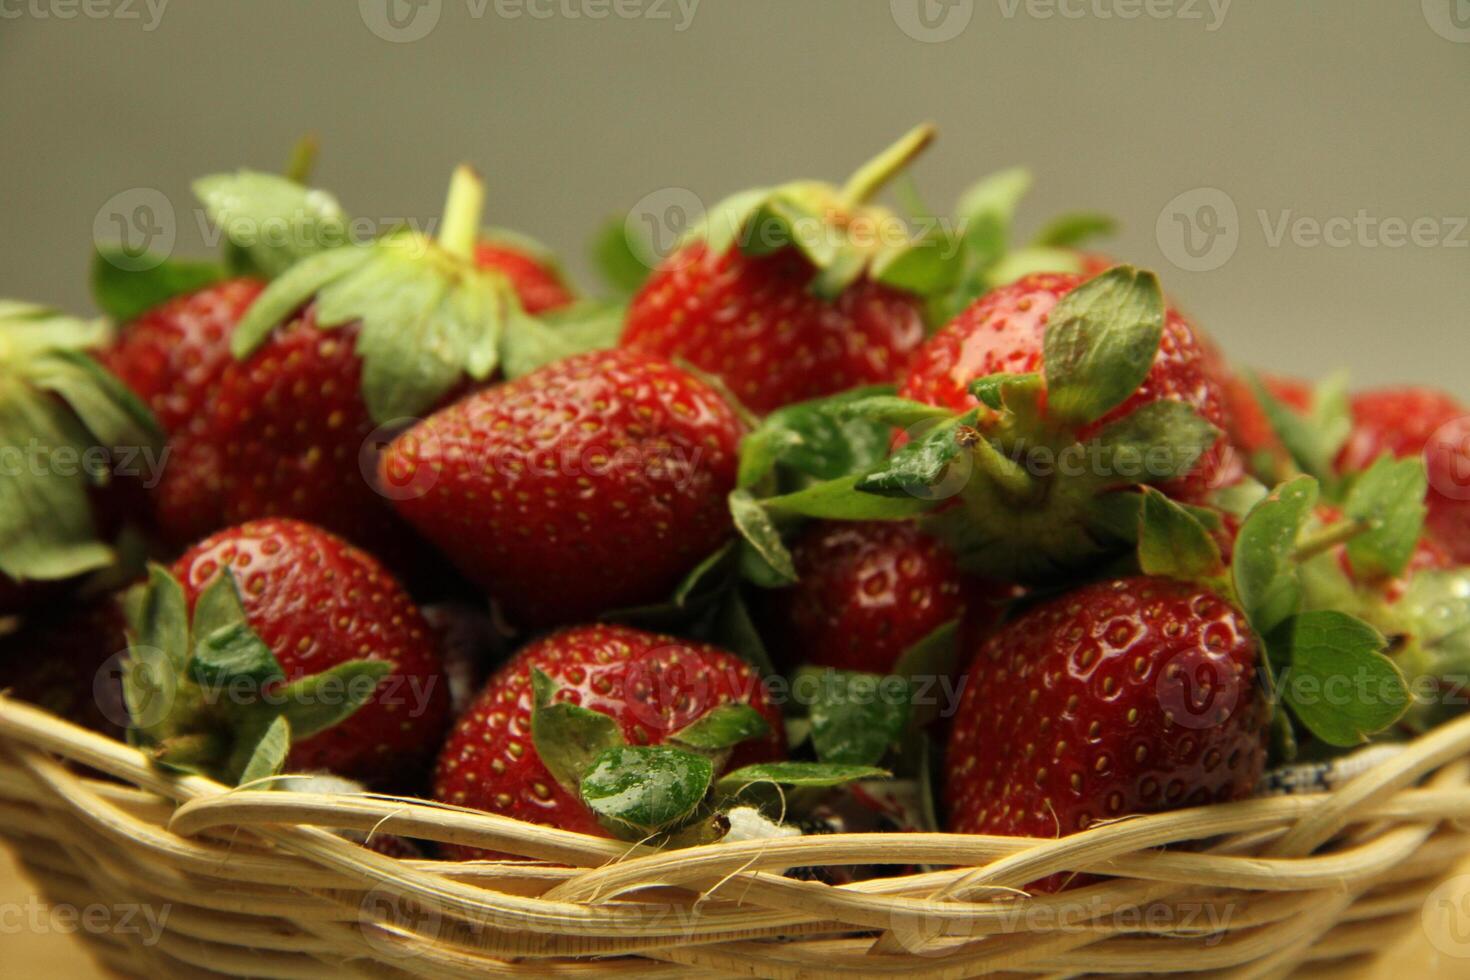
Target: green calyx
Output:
[(429, 316), (986, 258), (667, 793), (208, 696), (1324, 664), (65, 424), (838, 229)]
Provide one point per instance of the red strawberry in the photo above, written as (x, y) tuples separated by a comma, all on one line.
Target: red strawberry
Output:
[(1404, 422), (358, 341), (537, 283), (754, 322), (172, 357), (652, 685), (1129, 696), (1250, 430), (591, 484), (1002, 333), (867, 591), (57, 660), (317, 602), (792, 292)]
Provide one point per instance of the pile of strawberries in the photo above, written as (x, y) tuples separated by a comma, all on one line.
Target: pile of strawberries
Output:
[(806, 508)]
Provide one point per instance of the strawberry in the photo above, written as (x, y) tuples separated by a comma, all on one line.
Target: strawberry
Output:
[(1003, 333), (1250, 429), (591, 484), (1419, 422), (346, 349), (652, 687), (1084, 708), (68, 428), (172, 357), (868, 591), (537, 283), (58, 657), (318, 603), (790, 293)]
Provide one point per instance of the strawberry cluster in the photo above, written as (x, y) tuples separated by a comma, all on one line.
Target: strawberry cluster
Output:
[(806, 506)]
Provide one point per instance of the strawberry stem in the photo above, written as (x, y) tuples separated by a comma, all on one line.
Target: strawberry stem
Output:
[(871, 177), (462, 208), (302, 160), (1311, 545), (190, 750), (1007, 474)]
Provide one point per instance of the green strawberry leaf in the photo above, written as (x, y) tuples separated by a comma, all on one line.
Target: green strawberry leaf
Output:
[(890, 410), (1263, 568), (1156, 443), (1001, 391), (272, 222), (617, 259), (567, 737), (922, 463), (218, 606), (1434, 617), (1313, 441), (774, 565), (292, 290), (722, 728), (844, 499), (641, 790), (1338, 683), (1172, 542), (855, 717), (809, 775), (1071, 230), (531, 343), (268, 756), (1390, 494), (929, 265), (819, 439), (986, 211), (124, 291), (158, 614), (231, 653), (321, 701), (110, 412), (1100, 343)]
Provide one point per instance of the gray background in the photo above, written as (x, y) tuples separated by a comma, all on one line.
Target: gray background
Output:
[(1322, 109)]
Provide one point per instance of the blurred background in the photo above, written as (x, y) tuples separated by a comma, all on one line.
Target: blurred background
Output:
[(1290, 169), (1294, 171)]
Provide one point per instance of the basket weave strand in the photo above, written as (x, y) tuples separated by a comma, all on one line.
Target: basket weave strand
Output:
[(257, 883)]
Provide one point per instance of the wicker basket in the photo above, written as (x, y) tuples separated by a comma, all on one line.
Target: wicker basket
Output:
[(255, 883)]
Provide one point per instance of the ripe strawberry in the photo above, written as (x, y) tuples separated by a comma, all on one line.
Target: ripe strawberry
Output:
[(1130, 696), (1002, 333), (56, 660), (867, 591), (355, 341), (787, 293), (318, 602), (754, 322), (591, 484), (537, 283), (1405, 422), (652, 685), (172, 357)]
